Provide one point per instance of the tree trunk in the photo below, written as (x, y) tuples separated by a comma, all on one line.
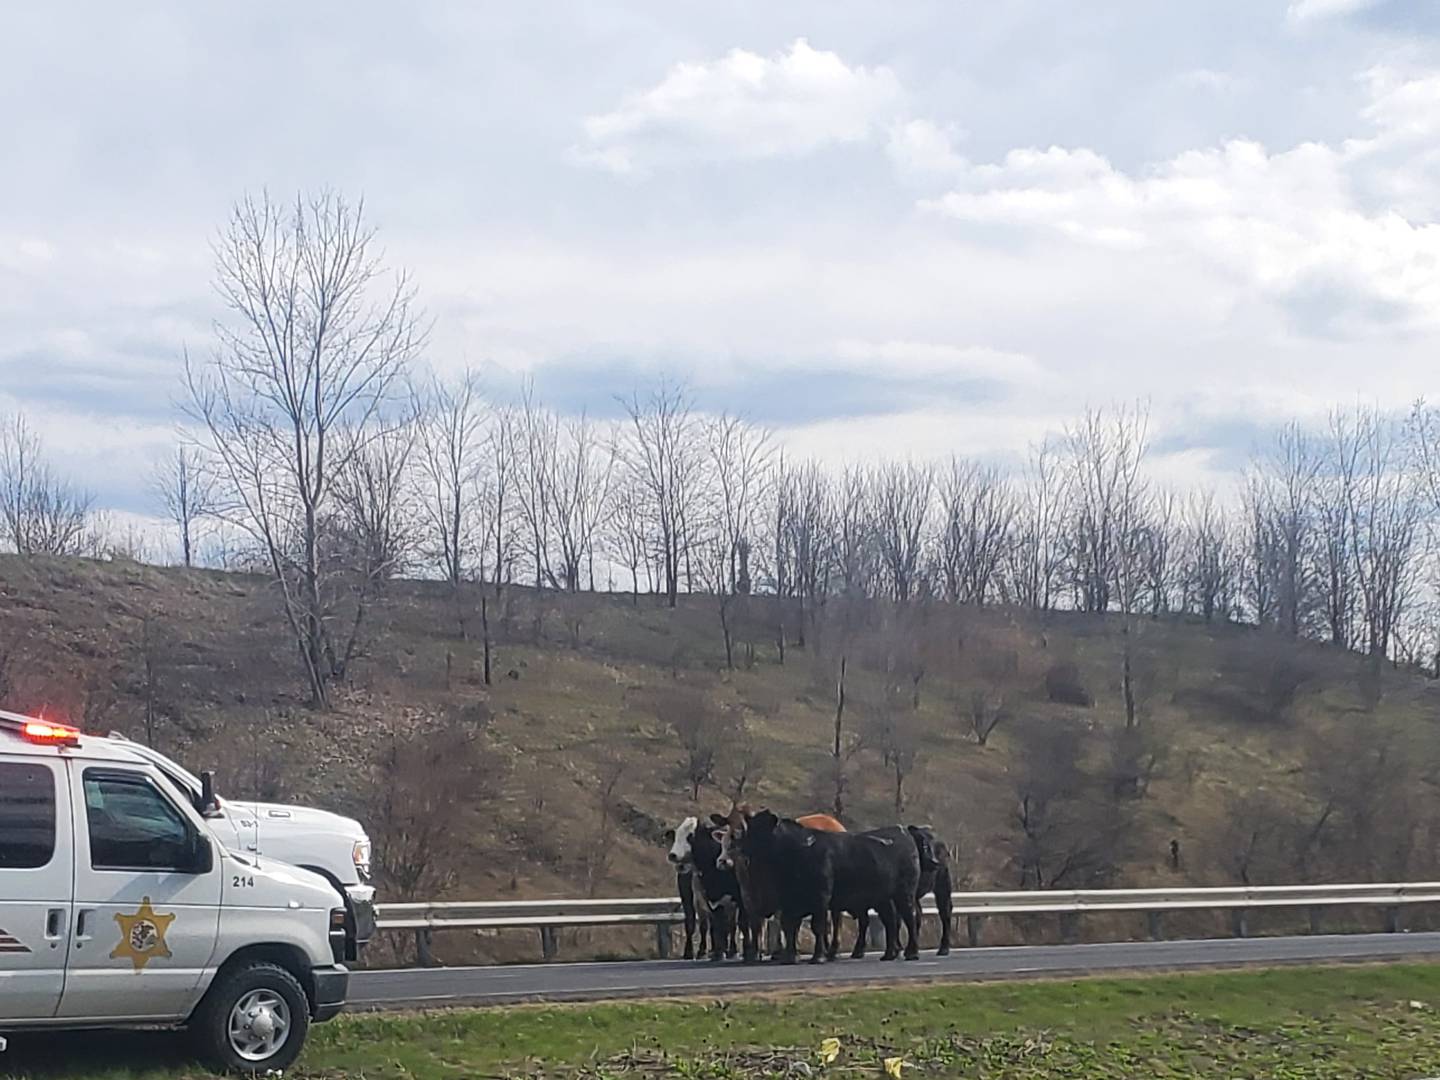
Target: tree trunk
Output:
[(485, 625)]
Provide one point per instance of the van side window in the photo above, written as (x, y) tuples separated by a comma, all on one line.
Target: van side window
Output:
[(132, 826), (27, 816)]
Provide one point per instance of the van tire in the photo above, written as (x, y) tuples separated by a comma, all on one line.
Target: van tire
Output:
[(209, 1027)]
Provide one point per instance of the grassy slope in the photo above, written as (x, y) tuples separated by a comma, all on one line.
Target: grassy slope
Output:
[(1302, 1024), (228, 686)]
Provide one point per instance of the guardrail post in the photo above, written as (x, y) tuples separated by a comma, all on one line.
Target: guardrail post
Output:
[(1069, 927), (662, 940), (972, 930), (1240, 922), (1393, 923), (548, 944), (1315, 915), (1155, 924)]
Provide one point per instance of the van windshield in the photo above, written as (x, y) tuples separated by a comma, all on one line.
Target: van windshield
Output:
[(184, 781)]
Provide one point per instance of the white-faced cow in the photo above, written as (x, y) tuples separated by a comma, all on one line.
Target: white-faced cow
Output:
[(714, 892), (697, 916)]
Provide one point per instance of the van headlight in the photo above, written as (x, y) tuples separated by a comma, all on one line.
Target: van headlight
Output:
[(361, 854)]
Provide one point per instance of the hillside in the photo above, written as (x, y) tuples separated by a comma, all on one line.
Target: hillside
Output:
[(1263, 759)]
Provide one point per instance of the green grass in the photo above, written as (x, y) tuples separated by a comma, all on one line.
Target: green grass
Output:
[(1294, 1023)]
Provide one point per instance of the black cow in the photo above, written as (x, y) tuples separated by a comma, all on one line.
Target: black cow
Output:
[(934, 878), (821, 874)]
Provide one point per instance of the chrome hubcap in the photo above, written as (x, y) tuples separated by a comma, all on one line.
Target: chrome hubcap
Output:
[(259, 1025)]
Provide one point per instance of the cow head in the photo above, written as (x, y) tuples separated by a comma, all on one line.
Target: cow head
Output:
[(759, 833), (727, 833), (679, 841)]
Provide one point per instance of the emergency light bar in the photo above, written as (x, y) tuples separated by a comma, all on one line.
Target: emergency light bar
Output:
[(40, 732)]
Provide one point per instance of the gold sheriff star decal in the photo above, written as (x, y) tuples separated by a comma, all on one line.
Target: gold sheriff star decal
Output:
[(142, 935)]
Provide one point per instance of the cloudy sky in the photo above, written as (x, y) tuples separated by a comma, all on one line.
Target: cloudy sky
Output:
[(899, 225)]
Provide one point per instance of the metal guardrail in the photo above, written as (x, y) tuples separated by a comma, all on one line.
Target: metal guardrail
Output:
[(664, 913)]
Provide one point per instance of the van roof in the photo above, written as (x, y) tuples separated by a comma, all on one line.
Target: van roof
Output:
[(13, 743)]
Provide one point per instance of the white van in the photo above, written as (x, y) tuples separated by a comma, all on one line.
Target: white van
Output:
[(120, 906), (333, 846)]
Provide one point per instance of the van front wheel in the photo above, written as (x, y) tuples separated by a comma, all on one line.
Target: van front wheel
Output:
[(254, 1019)]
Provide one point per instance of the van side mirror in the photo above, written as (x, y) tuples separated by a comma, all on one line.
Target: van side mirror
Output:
[(209, 805), (202, 854)]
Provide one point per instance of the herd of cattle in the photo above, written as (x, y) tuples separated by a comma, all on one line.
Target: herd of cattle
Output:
[(740, 869)]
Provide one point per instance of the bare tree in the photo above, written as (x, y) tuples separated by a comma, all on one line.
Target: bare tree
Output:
[(704, 731), (1281, 514), (893, 731), (977, 516), (805, 528), (1037, 553), (1384, 498), (580, 485), (316, 345), (664, 459), (372, 538), (502, 447), (538, 438), (629, 538), (740, 463), (41, 514), (1108, 494), (902, 498), (986, 711), (856, 550), (1210, 572), (450, 463), (187, 492), (1065, 835), (421, 780)]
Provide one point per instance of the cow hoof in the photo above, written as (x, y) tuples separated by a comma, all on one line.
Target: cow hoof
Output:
[(689, 954), (890, 956), (912, 956), (944, 950), (817, 959), (858, 954)]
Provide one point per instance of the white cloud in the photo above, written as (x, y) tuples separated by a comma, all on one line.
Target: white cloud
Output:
[(922, 148), (1308, 10), (1320, 228), (744, 105), (1216, 82), (928, 360)]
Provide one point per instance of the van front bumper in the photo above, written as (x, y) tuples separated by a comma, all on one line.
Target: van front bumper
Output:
[(332, 984), (361, 901)]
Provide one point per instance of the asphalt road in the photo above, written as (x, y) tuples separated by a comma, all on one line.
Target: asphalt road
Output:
[(645, 978)]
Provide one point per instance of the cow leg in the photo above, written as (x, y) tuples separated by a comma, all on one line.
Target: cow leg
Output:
[(750, 932), (686, 888), (832, 946), (820, 930), (737, 921), (862, 936), (719, 923), (908, 911), (703, 918), (886, 912), (790, 932), (945, 904)]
